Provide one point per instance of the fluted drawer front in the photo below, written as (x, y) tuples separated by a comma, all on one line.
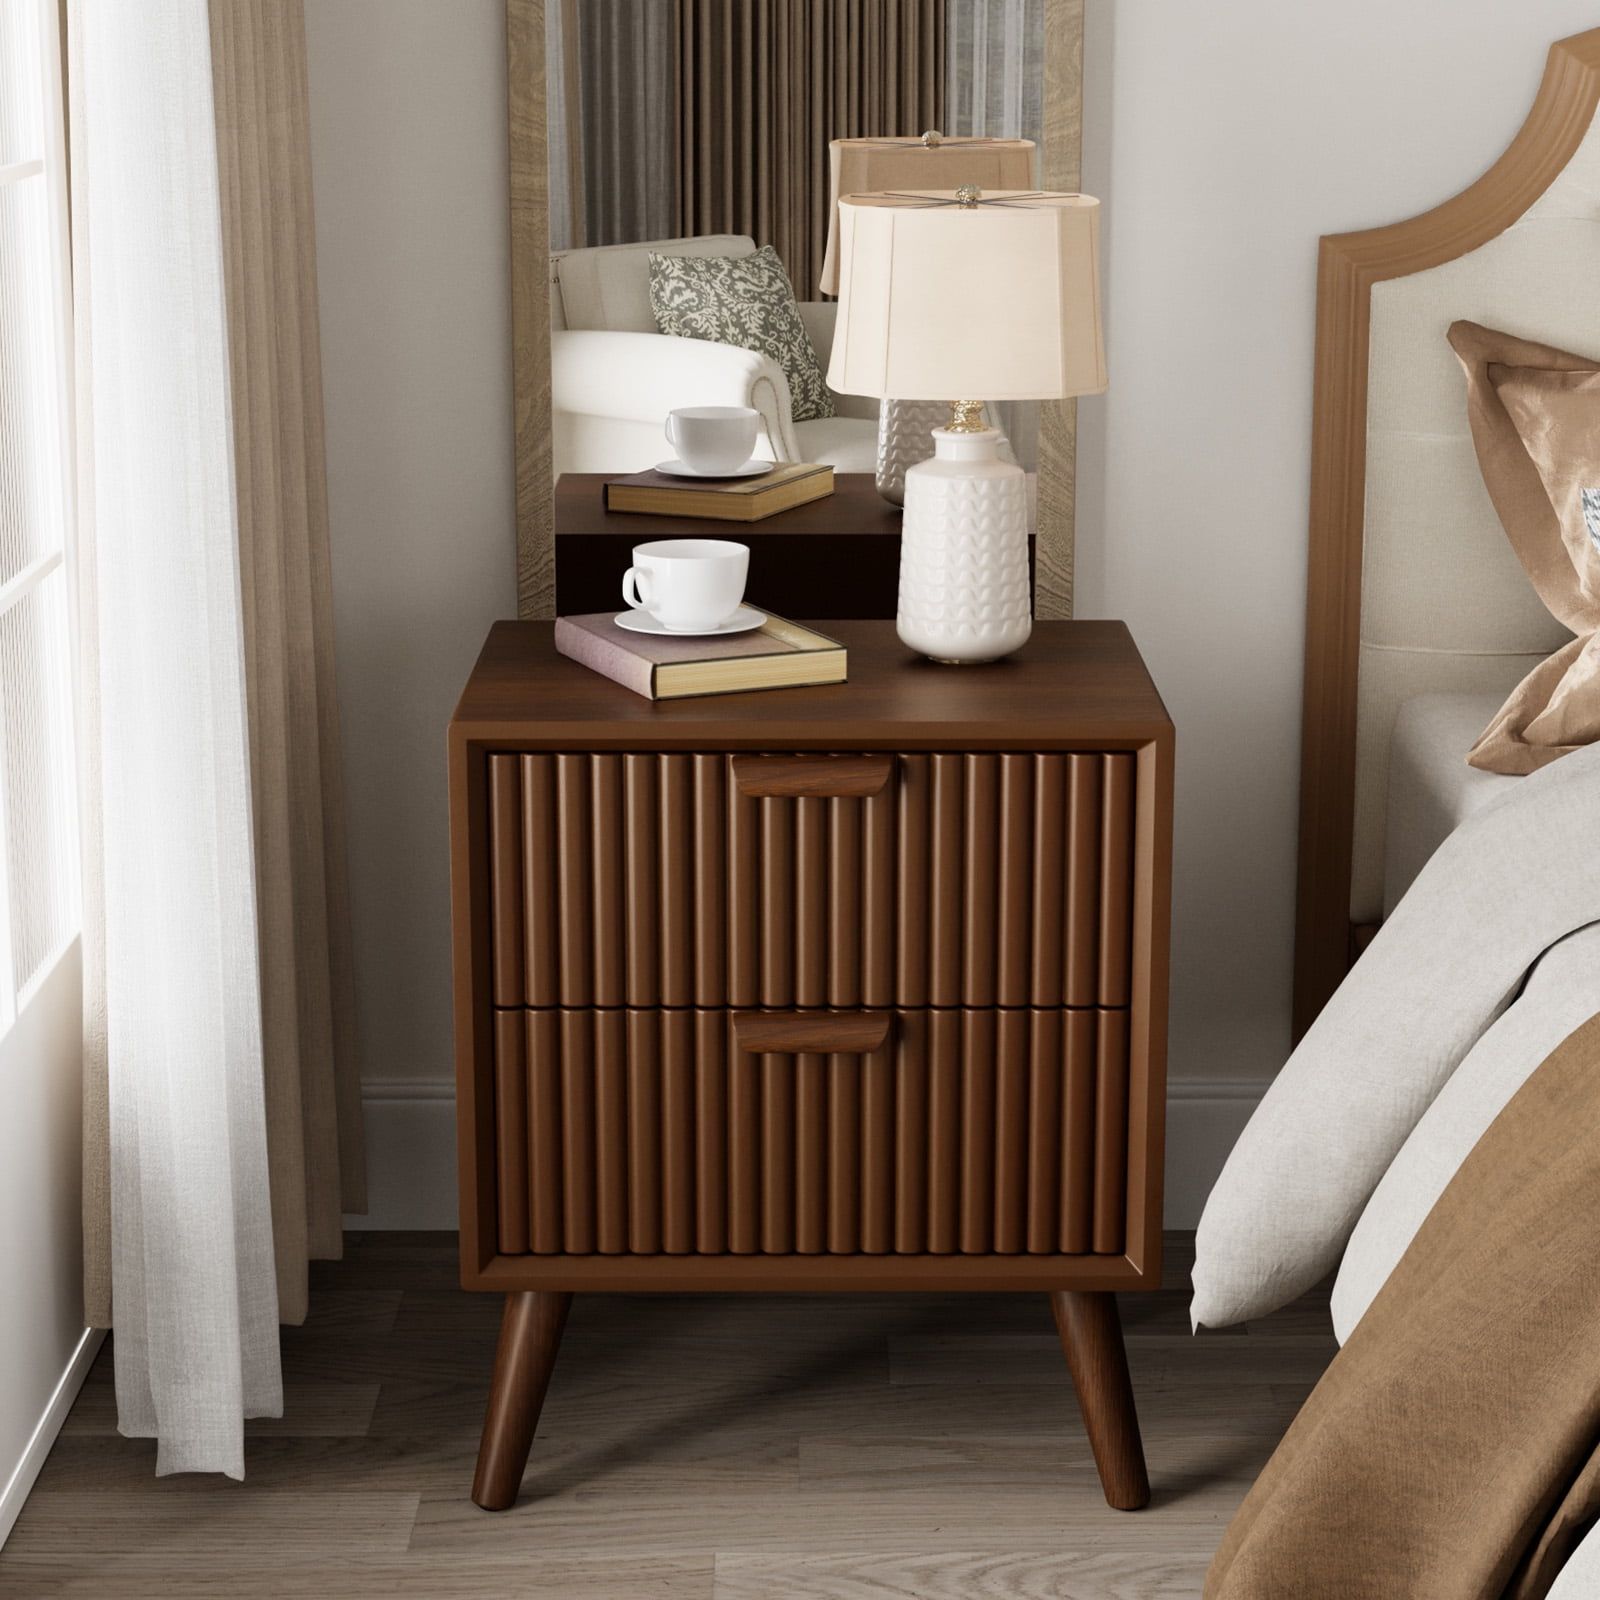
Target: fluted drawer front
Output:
[(784, 881), (697, 1132)]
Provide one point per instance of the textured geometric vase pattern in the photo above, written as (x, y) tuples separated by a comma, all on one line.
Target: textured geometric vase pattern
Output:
[(964, 591), (905, 437)]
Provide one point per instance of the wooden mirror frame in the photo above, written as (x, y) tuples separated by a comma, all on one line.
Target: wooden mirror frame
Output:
[(1349, 264), (530, 308)]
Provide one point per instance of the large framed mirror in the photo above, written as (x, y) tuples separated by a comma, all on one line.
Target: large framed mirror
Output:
[(703, 126)]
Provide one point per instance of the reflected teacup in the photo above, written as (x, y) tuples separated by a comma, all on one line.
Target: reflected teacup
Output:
[(713, 439)]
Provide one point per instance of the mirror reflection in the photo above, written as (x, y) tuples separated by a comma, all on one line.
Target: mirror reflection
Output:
[(694, 149)]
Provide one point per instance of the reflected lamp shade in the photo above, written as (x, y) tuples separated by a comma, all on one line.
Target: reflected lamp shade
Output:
[(934, 161), (994, 301)]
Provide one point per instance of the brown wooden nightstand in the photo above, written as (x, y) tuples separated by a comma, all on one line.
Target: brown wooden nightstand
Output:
[(855, 987), (836, 557)]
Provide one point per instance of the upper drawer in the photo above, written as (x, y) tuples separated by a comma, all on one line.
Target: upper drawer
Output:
[(749, 880)]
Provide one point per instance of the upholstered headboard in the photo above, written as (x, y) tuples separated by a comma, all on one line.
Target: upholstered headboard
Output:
[(1412, 584)]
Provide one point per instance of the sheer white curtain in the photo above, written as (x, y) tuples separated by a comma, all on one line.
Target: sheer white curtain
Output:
[(170, 893), (994, 68)]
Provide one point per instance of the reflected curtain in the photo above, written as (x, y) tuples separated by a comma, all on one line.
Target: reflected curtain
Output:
[(994, 88), (763, 85), (612, 105), (222, 1119), (994, 85), (564, 118)]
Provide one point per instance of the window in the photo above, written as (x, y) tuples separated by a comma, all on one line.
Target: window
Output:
[(38, 814)]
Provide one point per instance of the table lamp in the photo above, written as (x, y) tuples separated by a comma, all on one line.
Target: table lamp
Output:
[(966, 292)]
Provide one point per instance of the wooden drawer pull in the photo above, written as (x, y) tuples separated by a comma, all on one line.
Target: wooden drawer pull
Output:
[(810, 1032), (822, 777)]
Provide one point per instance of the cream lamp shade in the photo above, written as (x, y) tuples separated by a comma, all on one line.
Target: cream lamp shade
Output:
[(934, 161), (942, 298)]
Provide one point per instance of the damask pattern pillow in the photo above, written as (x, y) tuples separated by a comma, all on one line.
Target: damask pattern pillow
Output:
[(746, 301)]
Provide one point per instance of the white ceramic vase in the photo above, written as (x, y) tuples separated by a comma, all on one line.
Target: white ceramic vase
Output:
[(964, 587)]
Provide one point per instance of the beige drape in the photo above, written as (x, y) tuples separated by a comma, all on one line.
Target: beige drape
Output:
[(763, 85), (313, 1106)]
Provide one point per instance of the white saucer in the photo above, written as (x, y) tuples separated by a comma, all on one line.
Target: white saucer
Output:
[(680, 469), (742, 621)]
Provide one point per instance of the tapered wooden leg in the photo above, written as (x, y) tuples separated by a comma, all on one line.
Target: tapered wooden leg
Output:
[(530, 1335), (1091, 1335)]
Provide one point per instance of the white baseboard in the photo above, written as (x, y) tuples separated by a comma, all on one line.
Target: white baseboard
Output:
[(44, 1434), (411, 1148), (1204, 1120), (411, 1154)]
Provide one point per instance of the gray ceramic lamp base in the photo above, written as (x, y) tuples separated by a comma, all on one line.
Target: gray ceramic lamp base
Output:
[(905, 437)]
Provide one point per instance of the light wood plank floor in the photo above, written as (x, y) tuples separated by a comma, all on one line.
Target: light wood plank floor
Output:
[(726, 1448)]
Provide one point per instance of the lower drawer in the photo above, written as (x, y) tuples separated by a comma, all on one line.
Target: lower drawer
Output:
[(714, 1133)]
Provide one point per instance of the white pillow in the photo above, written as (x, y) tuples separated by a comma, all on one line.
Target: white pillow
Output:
[(1508, 883), (1561, 994)]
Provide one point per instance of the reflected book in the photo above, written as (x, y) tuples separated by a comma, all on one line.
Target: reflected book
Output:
[(777, 655), (721, 499)]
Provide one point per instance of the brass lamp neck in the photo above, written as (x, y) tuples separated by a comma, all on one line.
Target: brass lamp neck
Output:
[(966, 416)]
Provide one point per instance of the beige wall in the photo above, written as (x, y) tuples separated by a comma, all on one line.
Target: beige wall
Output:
[(1224, 139), (408, 126)]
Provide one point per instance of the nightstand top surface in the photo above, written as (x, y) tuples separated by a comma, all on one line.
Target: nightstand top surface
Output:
[(1074, 684)]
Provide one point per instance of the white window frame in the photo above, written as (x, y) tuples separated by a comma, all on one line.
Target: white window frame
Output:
[(50, 167)]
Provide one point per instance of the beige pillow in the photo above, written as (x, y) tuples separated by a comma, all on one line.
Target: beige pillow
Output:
[(1535, 417)]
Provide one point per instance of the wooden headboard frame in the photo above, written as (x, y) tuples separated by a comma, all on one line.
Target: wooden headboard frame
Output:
[(1349, 264)]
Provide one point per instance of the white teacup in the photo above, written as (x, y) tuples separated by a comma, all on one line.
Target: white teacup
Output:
[(713, 439), (687, 585)]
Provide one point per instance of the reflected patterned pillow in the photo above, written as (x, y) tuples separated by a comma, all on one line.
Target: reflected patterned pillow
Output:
[(745, 301)]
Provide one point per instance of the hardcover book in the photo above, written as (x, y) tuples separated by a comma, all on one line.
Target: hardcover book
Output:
[(725, 499), (777, 655)]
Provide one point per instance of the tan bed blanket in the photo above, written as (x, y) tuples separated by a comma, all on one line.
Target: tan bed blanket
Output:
[(1452, 1449)]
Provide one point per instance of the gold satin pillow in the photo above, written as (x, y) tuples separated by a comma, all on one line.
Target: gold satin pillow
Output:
[(1535, 417)]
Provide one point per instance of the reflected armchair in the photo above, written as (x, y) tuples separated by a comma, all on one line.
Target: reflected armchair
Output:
[(614, 377)]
